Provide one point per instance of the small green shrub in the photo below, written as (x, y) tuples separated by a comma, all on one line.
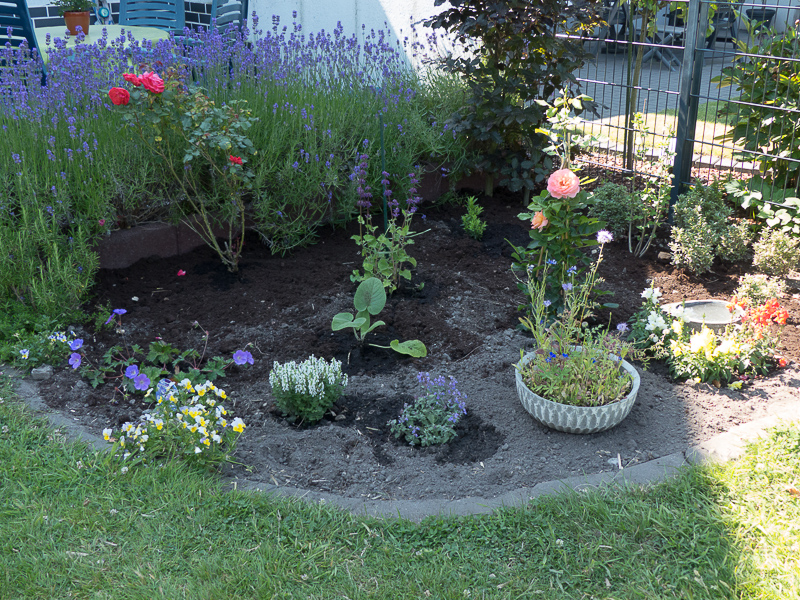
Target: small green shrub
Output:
[(615, 205), (735, 241), (471, 221), (690, 245), (306, 391), (433, 416), (757, 288), (703, 229), (776, 253)]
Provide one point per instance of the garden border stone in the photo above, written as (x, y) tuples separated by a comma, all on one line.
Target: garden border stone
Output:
[(720, 448)]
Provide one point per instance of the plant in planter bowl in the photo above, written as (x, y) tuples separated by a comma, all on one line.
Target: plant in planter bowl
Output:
[(577, 379), (76, 14)]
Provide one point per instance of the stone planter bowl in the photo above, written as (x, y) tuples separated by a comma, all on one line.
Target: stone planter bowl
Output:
[(714, 313), (576, 419)]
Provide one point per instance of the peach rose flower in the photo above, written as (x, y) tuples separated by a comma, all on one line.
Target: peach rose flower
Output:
[(563, 184), (538, 221)]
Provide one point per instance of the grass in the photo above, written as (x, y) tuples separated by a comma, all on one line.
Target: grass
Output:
[(664, 123), (73, 527)]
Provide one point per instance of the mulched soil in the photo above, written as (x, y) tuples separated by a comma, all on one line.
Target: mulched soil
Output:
[(466, 314)]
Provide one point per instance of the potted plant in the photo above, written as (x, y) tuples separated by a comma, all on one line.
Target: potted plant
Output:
[(577, 379), (76, 13)]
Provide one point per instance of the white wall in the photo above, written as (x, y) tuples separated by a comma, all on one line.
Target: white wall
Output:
[(315, 15)]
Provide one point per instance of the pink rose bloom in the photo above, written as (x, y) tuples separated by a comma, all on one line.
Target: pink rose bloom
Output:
[(152, 82), (563, 184), (131, 78)]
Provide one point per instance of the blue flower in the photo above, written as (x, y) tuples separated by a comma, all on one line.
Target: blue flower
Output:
[(572, 270), (131, 372), (141, 382), (116, 311), (622, 327), (75, 344), (566, 286), (241, 357), (75, 360), (547, 303), (24, 354), (550, 261)]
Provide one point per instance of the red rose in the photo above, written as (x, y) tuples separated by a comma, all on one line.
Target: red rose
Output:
[(235, 160), (131, 78), (152, 82), (119, 96)]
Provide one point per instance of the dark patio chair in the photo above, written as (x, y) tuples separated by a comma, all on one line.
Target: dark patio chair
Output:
[(228, 12), (162, 14), (724, 22), (16, 28)]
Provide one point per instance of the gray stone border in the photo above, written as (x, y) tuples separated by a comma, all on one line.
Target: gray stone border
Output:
[(721, 448)]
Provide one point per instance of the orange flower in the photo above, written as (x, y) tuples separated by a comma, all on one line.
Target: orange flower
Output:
[(780, 317), (782, 362), (538, 221)]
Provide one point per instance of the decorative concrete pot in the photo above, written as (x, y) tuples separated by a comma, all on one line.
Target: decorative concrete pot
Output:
[(714, 313), (73, 19), (577, 419)]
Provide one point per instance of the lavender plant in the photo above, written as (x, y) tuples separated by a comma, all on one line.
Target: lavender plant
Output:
[(432, 418), (314, 99)]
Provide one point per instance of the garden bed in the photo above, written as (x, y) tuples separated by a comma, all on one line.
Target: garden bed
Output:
[(465, 314)]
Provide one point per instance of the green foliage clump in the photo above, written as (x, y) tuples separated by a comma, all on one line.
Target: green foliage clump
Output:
[(308, 390), (616, 206), (776, 253), (769, 98), (471, 221), (512, 58), (704, 229), (735, 241)]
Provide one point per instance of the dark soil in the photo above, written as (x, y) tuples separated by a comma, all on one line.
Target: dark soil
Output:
[(466, 313)]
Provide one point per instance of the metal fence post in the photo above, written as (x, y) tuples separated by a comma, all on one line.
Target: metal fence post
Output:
[(691, 74)]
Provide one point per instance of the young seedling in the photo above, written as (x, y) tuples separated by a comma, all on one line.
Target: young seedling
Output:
[(369, 300)]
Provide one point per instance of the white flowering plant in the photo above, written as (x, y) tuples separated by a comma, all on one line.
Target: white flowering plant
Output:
[(187, 421), (574, 363), (733, 356), (306, 391)]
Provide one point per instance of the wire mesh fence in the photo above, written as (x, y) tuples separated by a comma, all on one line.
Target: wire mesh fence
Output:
[(716, 85)]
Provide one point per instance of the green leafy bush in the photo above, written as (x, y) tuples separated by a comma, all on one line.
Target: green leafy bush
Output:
[(703, 229), (512, 57), (765, 73), (616, 206), (776, 253), (306, 391), (471, 221)]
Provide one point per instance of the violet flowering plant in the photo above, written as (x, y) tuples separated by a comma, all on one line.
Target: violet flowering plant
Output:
[(433, 416), (573, 363), (384, 255)]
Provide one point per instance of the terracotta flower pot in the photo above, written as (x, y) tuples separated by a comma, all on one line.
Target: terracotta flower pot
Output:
[(577, 419), (75, 19)]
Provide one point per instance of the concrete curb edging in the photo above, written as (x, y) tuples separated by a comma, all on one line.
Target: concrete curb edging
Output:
[(720, 448)]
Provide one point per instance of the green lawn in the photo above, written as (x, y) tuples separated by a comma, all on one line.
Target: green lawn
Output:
[(72, 527), (665, 123)]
